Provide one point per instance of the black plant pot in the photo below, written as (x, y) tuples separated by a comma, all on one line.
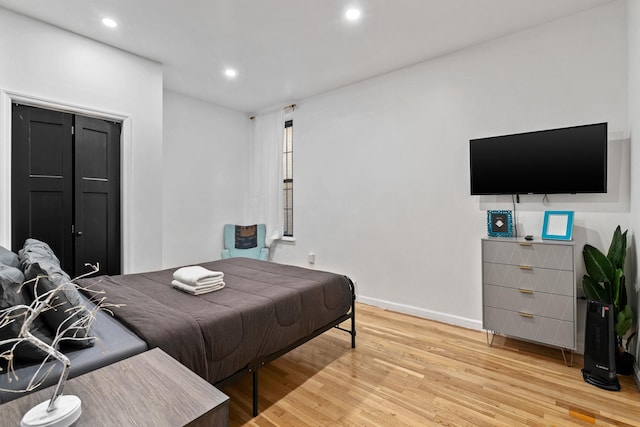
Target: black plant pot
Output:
[(624, 363)]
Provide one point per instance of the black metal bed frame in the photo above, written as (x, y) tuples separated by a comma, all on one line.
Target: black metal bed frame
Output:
[(252, 368)]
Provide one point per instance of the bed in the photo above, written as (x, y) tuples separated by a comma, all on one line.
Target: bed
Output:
[(265, 310)]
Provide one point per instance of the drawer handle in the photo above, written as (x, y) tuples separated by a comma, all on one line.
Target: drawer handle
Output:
[(525, 244), (527, 315), (525, 291), (525, 267)]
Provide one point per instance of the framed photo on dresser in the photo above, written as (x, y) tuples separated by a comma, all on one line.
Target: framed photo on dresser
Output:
[(499, 224), (557, 225)]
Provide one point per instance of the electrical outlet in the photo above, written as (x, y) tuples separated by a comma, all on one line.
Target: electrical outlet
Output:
[(311, 258)]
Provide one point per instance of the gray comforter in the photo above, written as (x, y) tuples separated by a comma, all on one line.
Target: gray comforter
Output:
[(263, 308)]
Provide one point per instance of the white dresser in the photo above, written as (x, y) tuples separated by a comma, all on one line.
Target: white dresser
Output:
[(529, 290)]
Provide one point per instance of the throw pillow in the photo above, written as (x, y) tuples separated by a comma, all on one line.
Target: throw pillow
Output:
[(39, 262), (246, 236), (9, 258), (10, 296)]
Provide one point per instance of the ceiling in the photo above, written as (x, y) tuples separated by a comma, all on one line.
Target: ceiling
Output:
[(287, 50)]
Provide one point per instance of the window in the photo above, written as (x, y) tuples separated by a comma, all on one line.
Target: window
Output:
[(287, 174)]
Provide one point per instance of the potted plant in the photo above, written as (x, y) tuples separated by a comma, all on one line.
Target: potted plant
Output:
[(605, 282)]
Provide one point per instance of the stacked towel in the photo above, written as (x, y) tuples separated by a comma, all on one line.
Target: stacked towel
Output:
[(196, 290), (197, 280)]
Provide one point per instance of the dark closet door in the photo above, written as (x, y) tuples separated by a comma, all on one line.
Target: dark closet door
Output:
[(42, 180), (66, 187), (97, 194)]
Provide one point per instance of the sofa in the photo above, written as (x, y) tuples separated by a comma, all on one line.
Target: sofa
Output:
[(100, 342)]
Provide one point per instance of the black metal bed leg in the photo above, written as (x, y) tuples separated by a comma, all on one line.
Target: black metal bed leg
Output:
[(353, 323), (259, 363), (353, 312), (255, 392)]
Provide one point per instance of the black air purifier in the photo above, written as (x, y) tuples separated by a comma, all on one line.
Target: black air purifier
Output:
[(599, 347)]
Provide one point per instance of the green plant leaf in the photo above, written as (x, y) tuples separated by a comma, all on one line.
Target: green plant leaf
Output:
[(599, 267), (609, 294), (624, 321), (618, 248), (594, 290), (618, 280), (622, 298)]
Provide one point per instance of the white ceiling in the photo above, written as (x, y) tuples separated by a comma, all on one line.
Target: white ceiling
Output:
[(287, 50)]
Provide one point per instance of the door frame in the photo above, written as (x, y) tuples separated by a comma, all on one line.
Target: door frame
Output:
[(126, 175)]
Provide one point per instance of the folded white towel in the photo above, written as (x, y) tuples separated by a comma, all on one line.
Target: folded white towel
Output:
[(197, 290), (196, 275)]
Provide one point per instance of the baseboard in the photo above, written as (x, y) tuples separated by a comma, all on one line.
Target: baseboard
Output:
[(421, 312), (452, 320)]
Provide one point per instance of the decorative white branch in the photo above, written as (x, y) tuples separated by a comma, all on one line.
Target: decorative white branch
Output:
[(66, 331)]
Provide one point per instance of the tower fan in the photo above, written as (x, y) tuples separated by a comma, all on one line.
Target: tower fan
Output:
[(599, 347)]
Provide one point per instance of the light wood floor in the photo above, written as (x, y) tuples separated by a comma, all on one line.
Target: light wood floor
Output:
[(410, 371)]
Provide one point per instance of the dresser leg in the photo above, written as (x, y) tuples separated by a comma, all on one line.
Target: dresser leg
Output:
[(570, 362), (490, 342)]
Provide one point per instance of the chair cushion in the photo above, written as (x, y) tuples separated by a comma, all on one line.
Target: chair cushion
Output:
[(230, 245)]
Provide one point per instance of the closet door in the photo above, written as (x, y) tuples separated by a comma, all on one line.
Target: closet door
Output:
[(97, 194), (42, 180), (66, 187)]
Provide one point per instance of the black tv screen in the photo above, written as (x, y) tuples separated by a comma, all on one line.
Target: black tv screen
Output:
[(567, 160)]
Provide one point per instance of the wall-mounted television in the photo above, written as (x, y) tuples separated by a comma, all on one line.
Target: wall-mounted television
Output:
[(556, 161)]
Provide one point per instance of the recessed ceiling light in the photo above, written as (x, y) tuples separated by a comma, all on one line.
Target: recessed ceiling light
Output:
[(231, 73), (352, 14), (109, 22)]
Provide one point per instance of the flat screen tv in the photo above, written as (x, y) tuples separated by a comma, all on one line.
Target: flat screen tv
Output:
[(557, 161)]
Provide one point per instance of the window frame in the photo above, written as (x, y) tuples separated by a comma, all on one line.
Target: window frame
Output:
[(287, 180)]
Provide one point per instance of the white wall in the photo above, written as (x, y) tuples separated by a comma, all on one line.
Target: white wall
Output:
[(205, 176), (381, 166), (42, 62), (633, 14)]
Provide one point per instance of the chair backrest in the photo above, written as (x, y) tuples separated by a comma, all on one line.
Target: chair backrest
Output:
[(230, 242)]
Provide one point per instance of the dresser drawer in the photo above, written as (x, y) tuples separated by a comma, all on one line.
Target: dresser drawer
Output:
[(531, 278), (529, 302), (541, 329), (553, 256)]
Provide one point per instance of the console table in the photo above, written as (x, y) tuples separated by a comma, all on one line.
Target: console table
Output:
[(528, 290), (150, 389)]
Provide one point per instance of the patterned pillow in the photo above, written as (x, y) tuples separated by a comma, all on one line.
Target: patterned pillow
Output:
[(246, 236)]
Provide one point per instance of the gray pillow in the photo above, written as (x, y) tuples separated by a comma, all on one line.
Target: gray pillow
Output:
[(9, 258), (10, 296), (10, 280), (38, 261)]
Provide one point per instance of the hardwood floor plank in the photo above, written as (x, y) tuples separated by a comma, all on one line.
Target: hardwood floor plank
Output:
[(416, 372)]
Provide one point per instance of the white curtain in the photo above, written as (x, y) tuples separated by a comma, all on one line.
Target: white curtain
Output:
[(266, 173)]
